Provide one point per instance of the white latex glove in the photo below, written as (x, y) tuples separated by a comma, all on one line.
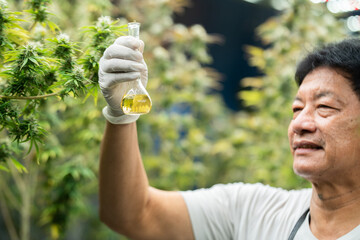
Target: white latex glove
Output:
[(121, 62)]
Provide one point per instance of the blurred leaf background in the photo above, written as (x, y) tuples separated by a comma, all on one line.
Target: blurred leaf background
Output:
[(189, 140)]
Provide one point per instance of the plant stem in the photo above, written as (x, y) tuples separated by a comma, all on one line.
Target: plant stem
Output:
[(7, 217), (30, 97), (25, 184), (29, 186), (25, 213), (20, 184)]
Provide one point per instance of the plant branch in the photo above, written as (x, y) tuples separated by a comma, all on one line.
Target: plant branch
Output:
[(30, 97)]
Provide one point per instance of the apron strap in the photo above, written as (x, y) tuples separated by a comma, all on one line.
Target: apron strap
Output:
[(298, 224)]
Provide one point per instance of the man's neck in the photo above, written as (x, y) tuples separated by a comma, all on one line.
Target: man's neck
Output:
[(334, 211)]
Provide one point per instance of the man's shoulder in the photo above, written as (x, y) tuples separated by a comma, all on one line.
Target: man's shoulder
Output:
[(263, 192)]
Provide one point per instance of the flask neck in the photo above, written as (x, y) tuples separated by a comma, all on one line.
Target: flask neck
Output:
[(134, 29)]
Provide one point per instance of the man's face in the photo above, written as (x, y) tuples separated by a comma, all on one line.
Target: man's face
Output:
[(324, 133)]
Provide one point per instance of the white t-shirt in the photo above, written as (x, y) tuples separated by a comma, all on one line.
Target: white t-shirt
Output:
[(242, 211)]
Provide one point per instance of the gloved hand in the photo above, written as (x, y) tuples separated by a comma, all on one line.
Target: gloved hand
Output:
[(121, 62)]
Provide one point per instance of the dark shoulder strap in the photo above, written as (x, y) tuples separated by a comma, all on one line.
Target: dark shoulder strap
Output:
[(298, 224)]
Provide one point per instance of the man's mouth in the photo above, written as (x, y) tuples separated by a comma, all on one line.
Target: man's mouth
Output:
[(306, 146)]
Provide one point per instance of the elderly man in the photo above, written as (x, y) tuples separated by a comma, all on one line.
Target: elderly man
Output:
[(324, 137)]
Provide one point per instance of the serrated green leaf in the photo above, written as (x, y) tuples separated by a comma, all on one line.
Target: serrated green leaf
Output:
[(34, 61), (24, 63)]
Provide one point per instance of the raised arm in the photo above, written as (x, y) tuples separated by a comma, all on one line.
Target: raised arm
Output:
[(128, 205)]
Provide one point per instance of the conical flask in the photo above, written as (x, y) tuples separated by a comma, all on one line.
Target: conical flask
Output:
[(136, 100)]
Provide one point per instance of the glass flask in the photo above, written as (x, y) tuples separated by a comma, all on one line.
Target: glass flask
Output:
[(136, 99)]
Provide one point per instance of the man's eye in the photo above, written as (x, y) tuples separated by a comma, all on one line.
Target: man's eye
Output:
[(296, 109), (326, 110), (323, 106)]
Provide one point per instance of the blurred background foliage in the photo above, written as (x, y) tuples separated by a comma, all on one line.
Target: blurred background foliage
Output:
[(189, 140)]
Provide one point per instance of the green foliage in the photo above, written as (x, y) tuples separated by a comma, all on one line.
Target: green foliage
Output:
[(38, 9), (102, 35), (26, 68), (62, 192), (46, 67), (10, 32)]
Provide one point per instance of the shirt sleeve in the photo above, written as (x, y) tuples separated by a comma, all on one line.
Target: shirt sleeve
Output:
[(209, 211)]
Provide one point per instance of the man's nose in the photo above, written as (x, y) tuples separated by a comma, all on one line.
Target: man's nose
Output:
[(304, 122)]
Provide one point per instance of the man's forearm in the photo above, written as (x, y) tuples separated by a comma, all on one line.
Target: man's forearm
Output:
[(123, 181)]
